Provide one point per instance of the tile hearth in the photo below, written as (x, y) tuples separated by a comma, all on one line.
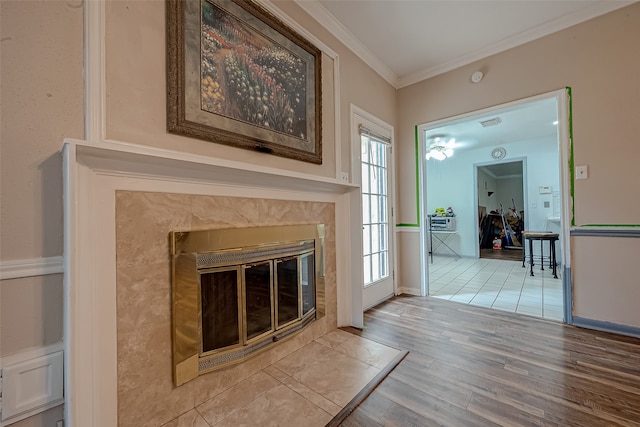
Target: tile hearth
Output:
[(308, 387)]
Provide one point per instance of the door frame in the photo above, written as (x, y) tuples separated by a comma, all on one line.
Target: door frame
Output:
[(563, 100), (361, 117), (525, 190)]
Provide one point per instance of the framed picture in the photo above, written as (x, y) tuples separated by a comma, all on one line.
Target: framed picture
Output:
[(236, 75)]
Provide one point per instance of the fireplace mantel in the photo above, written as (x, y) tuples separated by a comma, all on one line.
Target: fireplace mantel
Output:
[(112, 156), (92, 175)]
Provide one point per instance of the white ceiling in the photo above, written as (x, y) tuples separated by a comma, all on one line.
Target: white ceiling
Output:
[(532, 121), (406, 41)]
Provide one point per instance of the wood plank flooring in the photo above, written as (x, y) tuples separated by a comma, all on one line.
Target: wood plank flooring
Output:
[(509, 254), (470, 366)]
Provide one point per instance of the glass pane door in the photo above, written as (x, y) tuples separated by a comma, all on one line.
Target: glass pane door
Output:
[(375, 209)]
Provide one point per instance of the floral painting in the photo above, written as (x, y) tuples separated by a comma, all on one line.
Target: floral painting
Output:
[(258, 84)]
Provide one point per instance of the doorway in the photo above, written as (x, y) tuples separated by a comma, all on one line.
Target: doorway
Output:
[(372, 146), (534, 132), (501, 209)]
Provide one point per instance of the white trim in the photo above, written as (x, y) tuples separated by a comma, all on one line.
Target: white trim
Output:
[(403, 290), (278, 13), (31, 353), (111, 150), (40, 389), (335, 27), (407, 229), (17, 269), (94, 77)]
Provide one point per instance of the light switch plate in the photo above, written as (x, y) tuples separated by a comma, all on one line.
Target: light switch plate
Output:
[(582, 172)]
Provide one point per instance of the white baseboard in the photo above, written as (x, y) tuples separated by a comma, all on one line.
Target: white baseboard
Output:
[(17, 269), (408, 291), (32, 382)]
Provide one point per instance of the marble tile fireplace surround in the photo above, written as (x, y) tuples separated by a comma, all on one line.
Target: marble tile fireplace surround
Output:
[(143, 283), (121, 203)]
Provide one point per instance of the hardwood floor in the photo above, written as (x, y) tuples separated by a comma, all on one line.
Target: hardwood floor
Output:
[(470, 366), (509, 254)]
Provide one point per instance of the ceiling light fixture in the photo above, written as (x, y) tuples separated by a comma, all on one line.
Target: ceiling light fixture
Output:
[(491, 122), (439, 148)]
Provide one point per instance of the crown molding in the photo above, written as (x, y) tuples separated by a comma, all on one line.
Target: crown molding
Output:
[(328, 21), (551, 27), (315, 9)]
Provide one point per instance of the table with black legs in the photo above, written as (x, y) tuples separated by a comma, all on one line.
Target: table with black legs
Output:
[(542, 236)]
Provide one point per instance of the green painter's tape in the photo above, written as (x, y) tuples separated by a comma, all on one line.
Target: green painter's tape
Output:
[(417, 224), (571, 158), (612, 225)]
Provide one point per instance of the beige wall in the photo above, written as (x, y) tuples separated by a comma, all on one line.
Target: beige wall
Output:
[(47, 418), (42, 102), (30, 313), (599, 60), (136, 88), (41, 99)]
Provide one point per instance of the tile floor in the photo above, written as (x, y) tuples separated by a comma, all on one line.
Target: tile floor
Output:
[(499, 284), (308, 387)]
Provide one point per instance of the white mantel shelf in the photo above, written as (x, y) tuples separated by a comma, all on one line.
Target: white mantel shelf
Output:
[(127, 158)]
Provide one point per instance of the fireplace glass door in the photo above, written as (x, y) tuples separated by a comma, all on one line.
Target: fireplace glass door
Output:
[(307, 279), (258, 299), (219, 304), (287, 290)]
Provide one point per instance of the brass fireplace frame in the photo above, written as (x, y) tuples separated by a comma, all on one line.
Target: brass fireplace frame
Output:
[(194, 252)]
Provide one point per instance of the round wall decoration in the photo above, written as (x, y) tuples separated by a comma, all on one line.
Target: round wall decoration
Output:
[(498, 153)]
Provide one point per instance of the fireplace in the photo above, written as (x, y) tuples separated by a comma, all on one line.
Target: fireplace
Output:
[(238, 291), (118, 324)]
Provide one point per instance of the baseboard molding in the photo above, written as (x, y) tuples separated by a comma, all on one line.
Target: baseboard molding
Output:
[(32, 382), (403, 228), (379, 302), (17, 269), (604, 326), (408, 291)]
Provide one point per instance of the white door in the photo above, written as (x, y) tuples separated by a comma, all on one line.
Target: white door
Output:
[(376, 220)]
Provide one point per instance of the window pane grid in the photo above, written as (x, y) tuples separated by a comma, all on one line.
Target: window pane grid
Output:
[(374, 210)]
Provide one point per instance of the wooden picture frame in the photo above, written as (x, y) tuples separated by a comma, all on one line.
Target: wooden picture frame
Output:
[(236, 75)]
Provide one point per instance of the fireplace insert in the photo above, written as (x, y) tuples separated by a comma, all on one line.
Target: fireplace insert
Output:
[(238, 291)]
